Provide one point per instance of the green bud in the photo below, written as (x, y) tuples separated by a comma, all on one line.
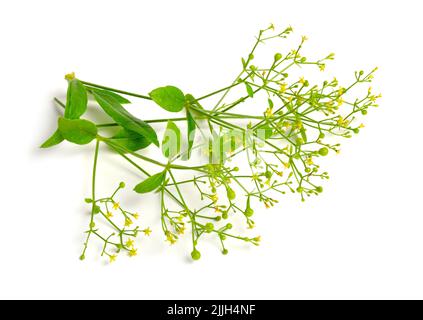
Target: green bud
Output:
[(321, 135), (356, 130), (300, 189), (278, 56), (363, 112), (268, 174), (230, 193), (92, 224), (229, 226), (122, 185), (218, 218), (236, 169), (319, 189), (323, 151), (225, 215), (225, 251), (249, 212), (88, 200), (307, 170), (195, 254), (96, 209), (82, 257), (209, 227)]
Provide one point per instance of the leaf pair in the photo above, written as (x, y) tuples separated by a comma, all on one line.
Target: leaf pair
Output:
[(76, 105), (126, 120)]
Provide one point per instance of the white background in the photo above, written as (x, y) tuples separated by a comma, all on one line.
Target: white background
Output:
[(362, 238)]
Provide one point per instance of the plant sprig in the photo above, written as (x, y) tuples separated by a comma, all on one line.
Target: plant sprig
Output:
[(277, 148)]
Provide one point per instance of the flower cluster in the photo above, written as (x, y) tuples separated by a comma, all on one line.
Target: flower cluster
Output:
[(113, 226)]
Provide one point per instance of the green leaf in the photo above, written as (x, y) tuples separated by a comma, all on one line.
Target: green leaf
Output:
[(270, 103), (250, 90), (171, 144), (55, 139), (191, 132), (169, 98), (151, 183), (77, 131), (303, 134), (130, 140), (76, 100), (117, 97), (126, 120), (244, 64), (191, 122)]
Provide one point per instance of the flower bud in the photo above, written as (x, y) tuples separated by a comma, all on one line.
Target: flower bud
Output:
[(209, 227), (323, 151), (278, 56), (230, 193), (195, 254)]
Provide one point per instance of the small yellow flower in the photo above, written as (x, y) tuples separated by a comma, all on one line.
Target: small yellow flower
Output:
[(115, 205), (147, 231), (268, 113), (279, 173), (214, 198), (286, 164), (361, 126), (282, 87), (322, 67), (133, 252), (136, 216), (109, 215), (267, 205), (128, 222), (341, 91), (304, 38), (129, 243), (257, 239), (340, 101), (181, 230), (302, 80), (309, 161), (170, 237), (112, 258), (70, 76), (272, 27)]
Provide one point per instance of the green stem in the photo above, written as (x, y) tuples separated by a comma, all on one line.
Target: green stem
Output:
[(116, 90), (93, 196)]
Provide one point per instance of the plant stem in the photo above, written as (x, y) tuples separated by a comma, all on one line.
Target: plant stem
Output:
[(116, 90), (92, 195)]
